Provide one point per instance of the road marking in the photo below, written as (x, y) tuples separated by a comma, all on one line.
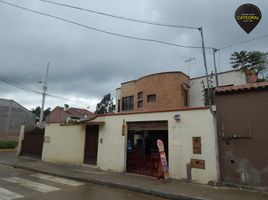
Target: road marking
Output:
[(31, 184), (8, 195), (58, 179)]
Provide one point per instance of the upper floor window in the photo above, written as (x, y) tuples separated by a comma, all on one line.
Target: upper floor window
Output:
[(140, 100), (140, 95), (185, 97), (139, 104), (118, 105), (127, 103), (151, 98)]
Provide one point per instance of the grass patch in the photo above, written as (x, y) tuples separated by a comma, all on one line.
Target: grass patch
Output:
[(8, 144)]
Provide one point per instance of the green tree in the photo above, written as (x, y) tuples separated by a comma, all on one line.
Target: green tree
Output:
[(258, 61), (240, 60), (37, 112), (106, 105), (254, 60)]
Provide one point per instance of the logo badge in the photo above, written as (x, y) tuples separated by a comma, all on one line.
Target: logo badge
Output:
[(248, 16)]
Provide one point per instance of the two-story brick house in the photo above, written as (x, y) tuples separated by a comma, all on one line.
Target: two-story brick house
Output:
[(160, 91)]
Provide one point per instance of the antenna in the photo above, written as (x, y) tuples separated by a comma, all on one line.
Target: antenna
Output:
[(189, 61)]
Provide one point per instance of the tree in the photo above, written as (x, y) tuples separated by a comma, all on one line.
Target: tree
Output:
[(240, 60), (254, 60), (37, 112), (106, 105), (258, 61)]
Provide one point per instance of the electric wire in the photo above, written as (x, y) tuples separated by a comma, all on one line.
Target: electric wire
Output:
[(243, 42), (17, 85), (119, 17), (27, 89), (145, 22), (101, 30)]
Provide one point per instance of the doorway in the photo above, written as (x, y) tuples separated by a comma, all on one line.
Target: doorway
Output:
[(91, 144), (142, 151)]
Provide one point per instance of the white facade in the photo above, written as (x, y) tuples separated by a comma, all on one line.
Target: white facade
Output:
[(67, 142), (64, 144), (196, 94)]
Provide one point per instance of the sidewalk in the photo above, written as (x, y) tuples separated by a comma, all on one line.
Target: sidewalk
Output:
[(171, 190)]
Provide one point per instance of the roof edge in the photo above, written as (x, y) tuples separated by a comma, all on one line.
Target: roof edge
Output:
[(156, 111), (154, 74)]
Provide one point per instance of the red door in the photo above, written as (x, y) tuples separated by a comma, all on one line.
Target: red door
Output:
[(91, 144)]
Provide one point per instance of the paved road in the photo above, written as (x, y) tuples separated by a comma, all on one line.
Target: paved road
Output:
[(23, 184)]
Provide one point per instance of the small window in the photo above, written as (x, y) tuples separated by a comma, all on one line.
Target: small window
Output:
[(118, 105), (185, 97), (151, 98), (140, 95), (140, 104)]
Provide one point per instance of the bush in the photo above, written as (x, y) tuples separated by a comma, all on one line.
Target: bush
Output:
[(8, 145)]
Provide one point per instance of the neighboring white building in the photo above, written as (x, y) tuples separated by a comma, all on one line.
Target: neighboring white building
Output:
[(118, 136), (228, 78)]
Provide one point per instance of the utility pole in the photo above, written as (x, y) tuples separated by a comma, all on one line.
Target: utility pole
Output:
[(205, 64), (44, 96), (215, 68), (189, 61)]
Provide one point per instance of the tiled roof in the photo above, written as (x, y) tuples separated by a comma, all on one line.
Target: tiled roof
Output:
[(59, 115), (252, 86)]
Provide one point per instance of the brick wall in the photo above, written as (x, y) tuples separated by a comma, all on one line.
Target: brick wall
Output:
[(167, 87)]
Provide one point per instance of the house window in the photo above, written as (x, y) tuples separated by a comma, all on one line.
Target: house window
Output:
[(118, 105), (139, 104), (140, 101), (185, 97), (151, 98), (140, 95), (127, 103)]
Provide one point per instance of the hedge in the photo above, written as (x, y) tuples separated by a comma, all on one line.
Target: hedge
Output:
[(8, 144)]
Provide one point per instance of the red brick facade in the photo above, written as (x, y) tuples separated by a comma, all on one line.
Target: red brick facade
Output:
[(160, 91)]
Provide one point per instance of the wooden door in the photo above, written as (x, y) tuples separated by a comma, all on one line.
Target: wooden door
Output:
[(91, 144), (32, 144)]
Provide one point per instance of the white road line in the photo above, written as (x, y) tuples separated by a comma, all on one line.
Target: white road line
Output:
[(8, 195), (31, 184), (58, 179)]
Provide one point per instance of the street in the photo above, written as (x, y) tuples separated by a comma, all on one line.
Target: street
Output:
[(24, 184)]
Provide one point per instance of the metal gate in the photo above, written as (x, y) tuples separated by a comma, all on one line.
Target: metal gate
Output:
[(148, 165), (32, 144)]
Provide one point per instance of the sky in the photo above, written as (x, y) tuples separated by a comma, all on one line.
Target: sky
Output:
[(85, 64)]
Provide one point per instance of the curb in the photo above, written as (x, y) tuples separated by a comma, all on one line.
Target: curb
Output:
[(246, 187), (153, 192), (7, 150)]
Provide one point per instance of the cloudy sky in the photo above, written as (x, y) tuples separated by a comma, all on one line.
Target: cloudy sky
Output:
[(85, 64)]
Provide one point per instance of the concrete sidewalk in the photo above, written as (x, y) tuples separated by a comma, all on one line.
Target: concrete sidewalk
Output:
[(172, 190)]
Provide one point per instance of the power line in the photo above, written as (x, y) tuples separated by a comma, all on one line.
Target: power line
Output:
[(144, 21), (17, 85), (100, 30), (119, 17), (25, 88), (243, 42)]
